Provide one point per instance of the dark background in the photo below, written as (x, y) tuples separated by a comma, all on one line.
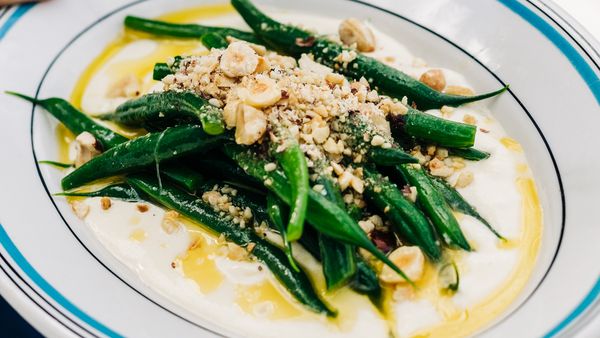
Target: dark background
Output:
[(12, 324)]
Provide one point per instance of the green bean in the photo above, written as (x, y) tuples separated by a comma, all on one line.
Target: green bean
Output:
[(162, 69), (389, 80), (76, 121), (338, 262), (407, 221), (469, 153), (310, 242), (293, 163), (458, 203), (339, 265), (276, 210), (192, 31), (139, 153), (156, 111), (362, 132), (435, 206), (214, 40), (429, 128), (122, 191), (183, 176), (228, 172), (366, 282), (390, 157), (296, 282), (325, 215)]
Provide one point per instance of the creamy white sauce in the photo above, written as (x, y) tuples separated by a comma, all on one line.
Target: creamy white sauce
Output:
[(494, 193)]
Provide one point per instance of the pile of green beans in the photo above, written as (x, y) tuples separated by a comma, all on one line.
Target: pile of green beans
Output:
[(188, 145)]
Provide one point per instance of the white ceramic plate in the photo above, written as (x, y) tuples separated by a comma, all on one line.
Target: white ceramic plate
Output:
[(55, 273)]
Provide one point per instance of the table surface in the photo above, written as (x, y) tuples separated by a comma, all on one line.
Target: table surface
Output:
[(584, 11)]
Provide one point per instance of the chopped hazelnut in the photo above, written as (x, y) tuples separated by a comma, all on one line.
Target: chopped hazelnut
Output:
[(459, 90), (353, 31), (105, 203), (434, 78), (464, 179)]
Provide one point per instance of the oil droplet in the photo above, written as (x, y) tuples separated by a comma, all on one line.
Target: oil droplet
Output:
[(267, 301), (138, 235), (135, 220), (522, 168), (199, 266), (511, 144), (508, 244), (64, 138)]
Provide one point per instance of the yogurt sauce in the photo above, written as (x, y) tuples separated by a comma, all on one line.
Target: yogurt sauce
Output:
[(190, 266)]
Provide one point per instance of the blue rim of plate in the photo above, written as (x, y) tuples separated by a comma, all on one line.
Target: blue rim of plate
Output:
[(568, 50)]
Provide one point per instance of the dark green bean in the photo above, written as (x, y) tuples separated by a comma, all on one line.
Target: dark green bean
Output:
[(156, 111), (469, 153), (407, 221), (76, 121), (435, 206), (437, 130), (162, 69), (390, 157), (293, 163), (183, 176), (141, 152), (214, 40), (366, 282), (192, 31), (227, 171)]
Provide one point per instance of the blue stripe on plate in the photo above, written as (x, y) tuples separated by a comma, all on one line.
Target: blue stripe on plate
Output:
[(585, 303), (12, 19), (582, 67), (576, 59), (20, 260), (591, 78)]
